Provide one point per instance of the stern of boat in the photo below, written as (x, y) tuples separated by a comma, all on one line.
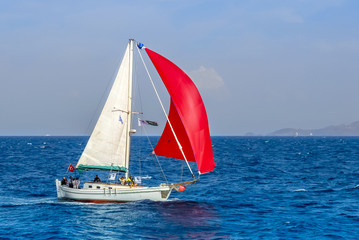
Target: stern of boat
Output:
[(60, 194)]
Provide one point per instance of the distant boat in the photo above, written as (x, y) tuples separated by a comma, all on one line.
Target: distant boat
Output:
[(186, 135)]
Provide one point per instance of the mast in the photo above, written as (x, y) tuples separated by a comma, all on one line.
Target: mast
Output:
[(129, 108)]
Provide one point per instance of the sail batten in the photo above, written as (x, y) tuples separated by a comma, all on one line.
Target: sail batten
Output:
[(187, 115)]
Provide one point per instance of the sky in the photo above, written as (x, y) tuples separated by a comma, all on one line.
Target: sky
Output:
[(259, 65)]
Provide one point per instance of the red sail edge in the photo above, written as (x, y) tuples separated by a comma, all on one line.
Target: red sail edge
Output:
[(187, 115)]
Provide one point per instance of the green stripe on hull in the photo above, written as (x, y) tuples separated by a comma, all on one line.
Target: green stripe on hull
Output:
[(82, 167)]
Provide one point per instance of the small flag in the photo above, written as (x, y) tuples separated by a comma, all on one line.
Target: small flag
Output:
[(121, 119), (138, 180), (140, 122), (152, 123), (71, 168), (112, 176), (146, 122)]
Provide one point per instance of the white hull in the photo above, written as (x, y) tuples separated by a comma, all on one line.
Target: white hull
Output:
[(102, 192)]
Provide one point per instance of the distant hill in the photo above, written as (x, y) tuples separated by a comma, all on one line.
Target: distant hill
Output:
[(339, 130)]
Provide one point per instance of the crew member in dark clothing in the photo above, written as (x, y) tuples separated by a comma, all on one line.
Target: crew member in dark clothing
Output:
[(71, 183), (97, 179), (63, 181)]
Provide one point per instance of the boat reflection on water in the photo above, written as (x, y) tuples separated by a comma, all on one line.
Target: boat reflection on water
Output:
[(152, 220), (187, 213), (189, 219)]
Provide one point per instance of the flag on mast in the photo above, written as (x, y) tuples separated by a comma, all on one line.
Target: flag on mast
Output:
[(71, 168), (146, 122), (112, 176)]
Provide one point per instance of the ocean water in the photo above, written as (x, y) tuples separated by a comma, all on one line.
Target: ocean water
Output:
[(261, 188)]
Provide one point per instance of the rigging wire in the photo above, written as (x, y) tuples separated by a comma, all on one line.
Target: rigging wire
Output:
[(137, 86), (154, 156), (182, 171)]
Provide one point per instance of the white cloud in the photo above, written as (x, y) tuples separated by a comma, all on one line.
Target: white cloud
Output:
[(206, 78)]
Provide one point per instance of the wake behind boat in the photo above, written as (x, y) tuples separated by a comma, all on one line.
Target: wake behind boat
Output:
[(186, 135)]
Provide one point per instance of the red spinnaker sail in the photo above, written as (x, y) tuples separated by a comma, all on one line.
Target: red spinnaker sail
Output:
[(187, 115)]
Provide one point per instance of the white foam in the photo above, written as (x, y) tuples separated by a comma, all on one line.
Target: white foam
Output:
[(300, 190), (21, 202), (146, 177)]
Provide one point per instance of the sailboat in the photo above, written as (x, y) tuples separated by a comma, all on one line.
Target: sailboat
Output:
[(185, 136)]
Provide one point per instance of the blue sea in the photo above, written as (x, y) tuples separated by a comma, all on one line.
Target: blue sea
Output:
[(261, 188)]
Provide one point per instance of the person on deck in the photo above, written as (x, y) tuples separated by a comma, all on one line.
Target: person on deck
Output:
[(77, 183), (122, 180), (130, 181), (71, 183), (63, 181), (97, 179)]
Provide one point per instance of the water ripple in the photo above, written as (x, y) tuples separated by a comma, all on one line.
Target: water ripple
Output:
[(262, 188)]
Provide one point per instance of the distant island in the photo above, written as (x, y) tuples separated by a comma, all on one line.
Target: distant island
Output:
[(338, 130)]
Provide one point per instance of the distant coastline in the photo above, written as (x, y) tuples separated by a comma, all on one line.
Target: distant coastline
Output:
[(342, 130), (351, 129)]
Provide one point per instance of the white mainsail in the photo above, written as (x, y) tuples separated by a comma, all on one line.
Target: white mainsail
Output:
[(108, 145)]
